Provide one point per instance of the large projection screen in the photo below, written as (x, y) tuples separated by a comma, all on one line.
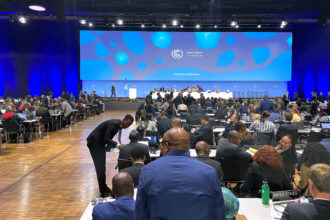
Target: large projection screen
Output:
[(188, 56)]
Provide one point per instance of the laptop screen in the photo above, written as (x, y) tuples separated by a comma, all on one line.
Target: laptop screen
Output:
[(325, 125), (23, 116)]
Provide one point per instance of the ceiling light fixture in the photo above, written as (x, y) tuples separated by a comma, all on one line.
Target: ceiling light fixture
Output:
[(22, 19), (198, 26), (113, 25), (164, 26), (82, 21), (37, 8), (284, 23), (175, 22), (120, 22), (259, 26), (181, 26), (142, 26), (215, 26), (237, 26), (233, 23), (90, 24)]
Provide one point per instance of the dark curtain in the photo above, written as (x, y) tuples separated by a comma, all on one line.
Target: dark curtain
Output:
[(38, 57), (310, 59)]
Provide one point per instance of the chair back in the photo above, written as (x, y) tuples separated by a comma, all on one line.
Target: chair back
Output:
[(264, 138), (123, 163), (10, 126), (234, 169), (208, 138)]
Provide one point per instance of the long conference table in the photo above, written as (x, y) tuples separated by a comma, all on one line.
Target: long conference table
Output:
[(196, 95), (251, 208)]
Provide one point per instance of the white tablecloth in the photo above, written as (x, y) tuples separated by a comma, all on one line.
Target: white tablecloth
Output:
[(251, 208), (196, 95)]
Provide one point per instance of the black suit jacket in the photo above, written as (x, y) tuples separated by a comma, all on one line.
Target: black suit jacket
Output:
[(163, 126), (215, 164), (205, 133), (230, 127), (124, 151), (104, 133), (43, 112), (227, 149), (285, 129), (134, 171), (193, 119), (316, 210)]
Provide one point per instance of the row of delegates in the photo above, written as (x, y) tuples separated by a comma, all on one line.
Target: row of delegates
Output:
[(177, 185), (124, 206)]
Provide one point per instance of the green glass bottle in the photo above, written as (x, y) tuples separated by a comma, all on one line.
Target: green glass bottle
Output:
[(265, 193)]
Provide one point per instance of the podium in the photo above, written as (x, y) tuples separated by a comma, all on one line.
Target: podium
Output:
[(132, 93)]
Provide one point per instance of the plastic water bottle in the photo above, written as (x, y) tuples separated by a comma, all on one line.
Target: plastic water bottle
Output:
[(265, 193)]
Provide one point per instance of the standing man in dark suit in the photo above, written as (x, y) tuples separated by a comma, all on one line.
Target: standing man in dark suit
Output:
[(124, 151), (202, 100), (319, 187), (204, 133), (100, 141), (138, 156), (321, 97), (113, 90), (286, 99), (266, 105), (203, 152), (163, 125), (48, 100)]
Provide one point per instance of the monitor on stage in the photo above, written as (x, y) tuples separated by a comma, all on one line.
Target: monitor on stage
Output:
[(193, 56)]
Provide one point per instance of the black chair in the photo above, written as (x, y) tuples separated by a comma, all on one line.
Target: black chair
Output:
[(122, 164), (234, 169), (208, 138), (314, 137), (11, 127), (264, 138)]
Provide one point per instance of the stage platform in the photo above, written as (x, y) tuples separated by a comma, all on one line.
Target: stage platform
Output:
[(122, 105)]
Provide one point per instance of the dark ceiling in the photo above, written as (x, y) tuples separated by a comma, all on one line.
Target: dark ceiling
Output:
[(186, 11)]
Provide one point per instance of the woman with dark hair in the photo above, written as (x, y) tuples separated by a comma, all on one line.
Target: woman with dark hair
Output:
[(246, 136), (267, 165), (313, 153), (287, 150), (142, 133), (149, 123)]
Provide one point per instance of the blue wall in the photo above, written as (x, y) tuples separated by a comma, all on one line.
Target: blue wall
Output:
[(38, 57)]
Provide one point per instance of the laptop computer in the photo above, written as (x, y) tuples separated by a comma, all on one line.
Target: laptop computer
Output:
[(325, 125), (22, 116)]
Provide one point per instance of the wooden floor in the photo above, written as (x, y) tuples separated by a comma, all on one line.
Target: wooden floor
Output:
[(54, 177)]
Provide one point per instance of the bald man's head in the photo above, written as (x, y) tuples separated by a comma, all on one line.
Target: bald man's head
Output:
[(202, 148), (234, 137), (176, 123), (175, 139), (122, 185)]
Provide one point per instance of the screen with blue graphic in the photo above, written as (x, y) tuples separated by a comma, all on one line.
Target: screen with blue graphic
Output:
[(190, 56)]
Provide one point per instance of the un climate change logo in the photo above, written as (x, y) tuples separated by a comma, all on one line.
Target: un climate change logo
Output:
[(177, 54)]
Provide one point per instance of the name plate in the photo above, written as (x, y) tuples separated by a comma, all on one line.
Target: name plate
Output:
[(285, 195)]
